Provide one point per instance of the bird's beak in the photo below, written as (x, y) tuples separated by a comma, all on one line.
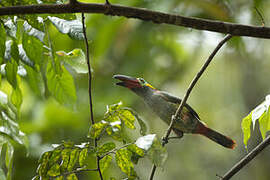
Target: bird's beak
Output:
[(127, 81)]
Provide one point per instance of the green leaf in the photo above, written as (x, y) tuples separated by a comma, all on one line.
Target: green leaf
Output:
[(33, 31), (9, 159), (260, 113), (157, 153), (264, 121), (11, 28), (115, 130), (54, 170), (24, 58), (73, 158), (2, 43), (128, 118), (43, 164), (59, 178), (55, 156), (2, 174), (143, 127), (97, 128), (72, 177), (112, 108), (123, 160), (12, 50), (16, 97), (11, 69), (137, 153), (136, 149), (3, 99), (35, 81), (83, 156), (33, 48), (72, 28), (61, 85), (65, 159), (105, 163), (74, 58), (105, 148)]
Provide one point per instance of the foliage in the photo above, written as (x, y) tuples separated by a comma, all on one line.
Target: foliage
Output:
[(260, 113), (42, 61)]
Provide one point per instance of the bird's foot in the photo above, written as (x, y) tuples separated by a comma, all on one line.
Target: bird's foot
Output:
[(165, 140)]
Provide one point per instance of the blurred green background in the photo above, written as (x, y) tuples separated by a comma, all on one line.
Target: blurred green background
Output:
[(168, 57)]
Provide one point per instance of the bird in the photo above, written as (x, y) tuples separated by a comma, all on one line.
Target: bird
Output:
[(165, 105)]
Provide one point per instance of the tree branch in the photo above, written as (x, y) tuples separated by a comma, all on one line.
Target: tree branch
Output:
[(143, 14), (90, 90), (243, 162), (183, 102)]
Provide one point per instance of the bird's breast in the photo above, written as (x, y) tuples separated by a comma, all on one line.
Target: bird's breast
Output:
[(186, 122)]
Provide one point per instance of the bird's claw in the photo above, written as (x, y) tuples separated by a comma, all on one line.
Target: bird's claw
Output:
[(165, 140)]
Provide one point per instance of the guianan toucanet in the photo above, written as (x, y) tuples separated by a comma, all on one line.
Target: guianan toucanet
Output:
[(165, 106)]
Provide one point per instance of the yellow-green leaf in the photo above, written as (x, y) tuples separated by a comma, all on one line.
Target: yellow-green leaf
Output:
[(73, 158), (83, 156), (123, 160), (105, 148), (128, 118), (97, 129), (65, 159), (105, 163), (72, 177), (246, 122), (264, 122), (16, 97), (54, 170)]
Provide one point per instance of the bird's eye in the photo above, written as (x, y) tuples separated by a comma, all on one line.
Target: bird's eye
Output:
[(141, 80)]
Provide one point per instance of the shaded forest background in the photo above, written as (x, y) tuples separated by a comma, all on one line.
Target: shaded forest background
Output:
[(167, 57)]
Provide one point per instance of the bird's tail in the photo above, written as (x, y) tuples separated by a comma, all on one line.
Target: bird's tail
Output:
[(215, 136)]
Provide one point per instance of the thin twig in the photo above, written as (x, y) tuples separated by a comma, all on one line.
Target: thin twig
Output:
[(90, 90), (243, 162), (75, 171), (183, 102), (72, 2), (115, 149), (142, 14)]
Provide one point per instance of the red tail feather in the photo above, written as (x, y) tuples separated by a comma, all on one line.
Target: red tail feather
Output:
[(215, 136)]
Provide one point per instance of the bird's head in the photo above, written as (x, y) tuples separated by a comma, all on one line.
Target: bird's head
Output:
[(138, 85)]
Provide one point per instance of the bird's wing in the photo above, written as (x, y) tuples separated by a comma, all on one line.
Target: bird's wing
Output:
[(176, 100)]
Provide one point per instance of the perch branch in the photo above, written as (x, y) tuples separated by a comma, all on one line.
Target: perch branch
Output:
[(243, 162), (142, 14), (183, 102)]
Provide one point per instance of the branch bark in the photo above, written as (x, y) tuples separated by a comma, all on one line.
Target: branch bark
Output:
[(143, 14), (243, 162), (183, 102)]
